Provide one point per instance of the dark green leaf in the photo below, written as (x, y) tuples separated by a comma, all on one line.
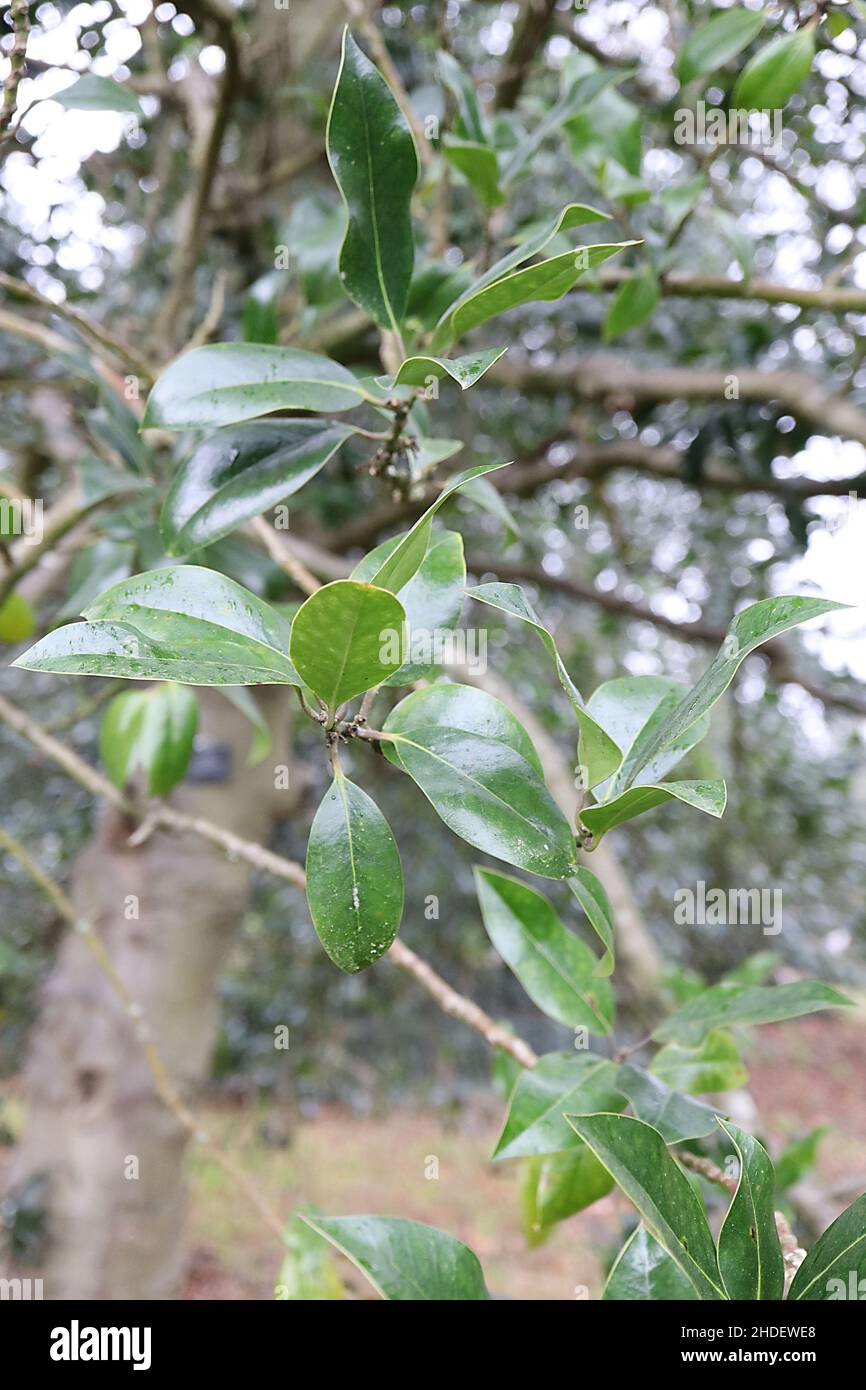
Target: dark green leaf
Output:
[(354, 877), (479, 166), (375, 165), (836, 1264), (676, 1117), (591, 895), (643, 1271), (558, 1186), (597, 754), (237, 473), (405, 1260), (181, 623), (704, 796), (307, 1273), (747, 1004), (555, 967), (750, 1256), (637, 1159), (452, 706), (229, 382), (559, 1083), (347, 638)]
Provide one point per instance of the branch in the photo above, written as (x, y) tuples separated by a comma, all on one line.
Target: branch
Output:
[(165, 817), (529, 34), (100, 337), (678, 283), (781, 670), (20, 15), (599, 377)]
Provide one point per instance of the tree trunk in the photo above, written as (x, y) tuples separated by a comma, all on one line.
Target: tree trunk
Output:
[(109, 1152)]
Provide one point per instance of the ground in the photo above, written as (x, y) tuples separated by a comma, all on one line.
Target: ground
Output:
[(802, 1074)]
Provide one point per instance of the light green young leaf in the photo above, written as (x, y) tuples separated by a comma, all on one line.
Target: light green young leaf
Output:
[(152, 730), (560, 1082), (704, 796), (375, 165), (307, 1273), (750, 1256), (798, 1158), (417, 371), (558, 1186), (713, 1065), (238, 473), (555, 967), (837, 1260), (347, 638), (776, 72), (753, 626), (727, 1005), (629, 709), (643, 1271), (637, 1159), (715, 42), (597, 754), (405, 1260), (433, 600), (464, 707), (228, 382), (354, 877)]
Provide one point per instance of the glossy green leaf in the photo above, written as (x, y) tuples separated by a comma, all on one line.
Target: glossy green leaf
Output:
[(465, 707), (418, 371), (354, 877), (637, 1159), (727, 1005), (375, 165), (347, 638), (597, 754), (709, 797), (714, 43), (548, 280), (776, 72), (433, 600), (750, 1256), (835, 1266), (152, 730), (573, 215), (92, 93), (226, 383), (559, 1083), (486, 793), (643, 1271), (238, 473), (676, 1117), (558, 1186), (591, 895), (479, 166), (713, 1065), (555, 967), (182, 623), (631, 709), (406, 557), (632, 304), (405, 1260)]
